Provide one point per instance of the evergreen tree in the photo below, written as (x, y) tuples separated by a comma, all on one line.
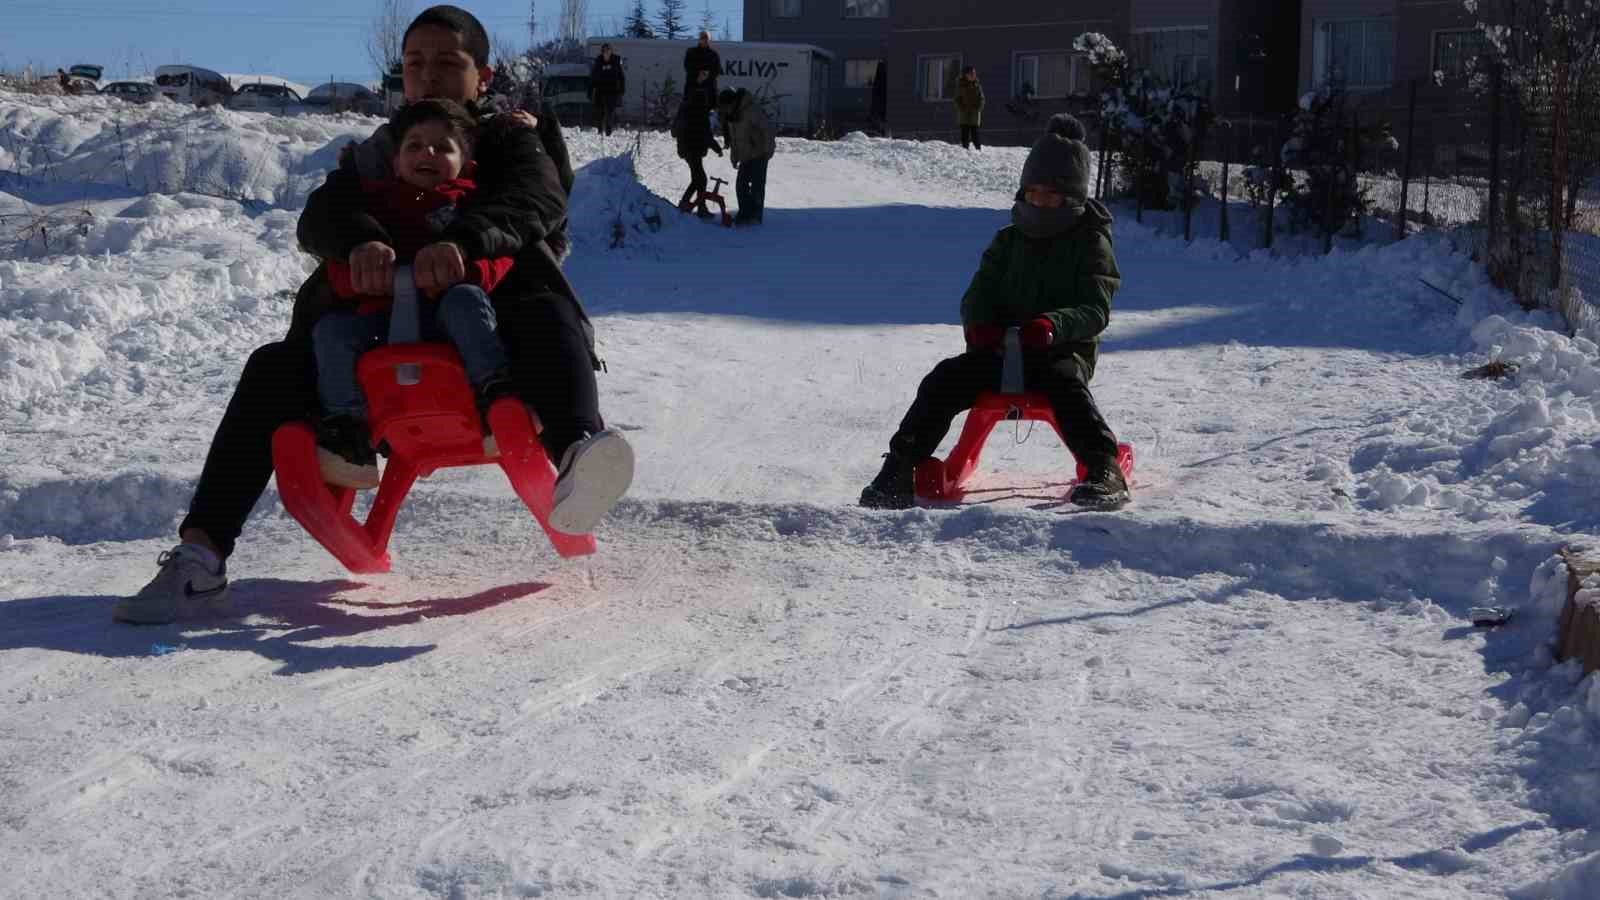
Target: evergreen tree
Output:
[(637, 24), (708, 19), (670, 18)]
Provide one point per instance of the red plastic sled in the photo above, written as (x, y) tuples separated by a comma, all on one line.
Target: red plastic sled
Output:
[(419, 402), (942, 479)]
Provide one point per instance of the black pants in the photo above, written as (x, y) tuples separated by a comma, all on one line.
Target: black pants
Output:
[(549, 363), (607, 111), (750, 186), (954, 384), (697, 183), (970, 133)]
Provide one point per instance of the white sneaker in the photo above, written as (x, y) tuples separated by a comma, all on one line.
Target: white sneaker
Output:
[(595, 472), (185, 586)]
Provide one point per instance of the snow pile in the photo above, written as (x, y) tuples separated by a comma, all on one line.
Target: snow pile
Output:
[(611, 211), (93, 143)]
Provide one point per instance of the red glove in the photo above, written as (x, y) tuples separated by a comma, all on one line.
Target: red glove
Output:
[(1038, 334), (982, 336)]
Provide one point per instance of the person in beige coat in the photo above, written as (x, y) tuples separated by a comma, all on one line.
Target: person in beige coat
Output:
[(969, 108), (752, 140)]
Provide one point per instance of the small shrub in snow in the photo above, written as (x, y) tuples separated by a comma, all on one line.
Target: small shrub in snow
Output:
[(1153, 128), (1325, 145)]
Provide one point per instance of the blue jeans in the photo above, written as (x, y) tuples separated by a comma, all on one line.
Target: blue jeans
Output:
[(463, 316), (750, 186)]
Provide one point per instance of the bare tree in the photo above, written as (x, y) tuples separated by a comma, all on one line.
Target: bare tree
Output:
[(708, 19), (574, 19), (384, 40)]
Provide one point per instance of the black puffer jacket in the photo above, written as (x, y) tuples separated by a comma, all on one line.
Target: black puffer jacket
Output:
[(607, 81), (696, 59)]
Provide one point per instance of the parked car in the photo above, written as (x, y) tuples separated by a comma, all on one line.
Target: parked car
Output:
[(85, 73), (263, 97), (345, 96), (130, 91), (192, 84)]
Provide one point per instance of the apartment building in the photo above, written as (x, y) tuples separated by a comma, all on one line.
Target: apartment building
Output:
[(1378, 48), (1244, 54), (856, 32), (1022, 50)]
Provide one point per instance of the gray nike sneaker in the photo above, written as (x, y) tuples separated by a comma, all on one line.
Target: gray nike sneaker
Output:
[(185, 586)]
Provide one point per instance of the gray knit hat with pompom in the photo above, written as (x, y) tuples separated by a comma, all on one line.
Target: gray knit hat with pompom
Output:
[(1061, 159)]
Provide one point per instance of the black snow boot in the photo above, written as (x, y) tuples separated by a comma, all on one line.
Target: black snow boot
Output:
[(1103, 487), (896, 484)]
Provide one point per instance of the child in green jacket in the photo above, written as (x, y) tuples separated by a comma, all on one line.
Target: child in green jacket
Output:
[(1051, 273)]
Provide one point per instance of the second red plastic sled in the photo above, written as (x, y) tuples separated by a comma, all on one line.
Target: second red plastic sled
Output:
[(420, 404), (944, 479)]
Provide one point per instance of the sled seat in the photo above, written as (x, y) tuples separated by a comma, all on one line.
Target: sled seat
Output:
[(420, 405), (944, 479)]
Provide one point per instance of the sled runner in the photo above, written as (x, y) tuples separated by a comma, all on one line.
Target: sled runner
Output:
[(943, 479), (420, 405)]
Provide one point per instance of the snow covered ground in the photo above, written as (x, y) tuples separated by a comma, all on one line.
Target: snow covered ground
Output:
[(1257, 680)]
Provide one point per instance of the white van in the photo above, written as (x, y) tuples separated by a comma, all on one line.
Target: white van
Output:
[(566, 86), (790, 80), (192, 84)]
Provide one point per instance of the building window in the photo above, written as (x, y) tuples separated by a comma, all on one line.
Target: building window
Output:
[(866, 9), (1181, 57), (858, 73), (786, 9), (936, 77), (1453, 51), (1051, 75), (1356, 52)]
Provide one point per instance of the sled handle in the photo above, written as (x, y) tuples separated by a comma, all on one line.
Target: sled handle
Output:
[(405, 322), (1011, 381)]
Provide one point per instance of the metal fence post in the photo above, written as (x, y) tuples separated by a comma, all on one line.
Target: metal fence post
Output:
[(1494, 153), (1227, 156), (1275, 177), (1405, 173)]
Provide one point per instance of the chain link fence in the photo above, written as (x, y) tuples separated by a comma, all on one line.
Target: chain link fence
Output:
[(1515, 177)]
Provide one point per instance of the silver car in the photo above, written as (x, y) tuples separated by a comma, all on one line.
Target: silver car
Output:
[(264, 98), (130, 91)]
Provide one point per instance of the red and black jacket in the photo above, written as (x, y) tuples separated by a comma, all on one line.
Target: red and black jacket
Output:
[(414, 218)]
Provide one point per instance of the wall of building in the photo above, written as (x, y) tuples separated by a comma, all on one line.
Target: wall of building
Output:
[(990, 42), (822, 23)]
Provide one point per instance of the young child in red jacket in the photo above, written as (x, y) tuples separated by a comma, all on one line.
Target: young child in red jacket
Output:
[(433, 170)]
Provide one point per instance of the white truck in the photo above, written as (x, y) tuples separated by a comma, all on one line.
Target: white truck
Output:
[(790, 80)]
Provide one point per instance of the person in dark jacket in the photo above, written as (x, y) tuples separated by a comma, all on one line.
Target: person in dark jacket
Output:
[(519, 205), (691, 126), (969, 108), (1051, 274), (701, 66), (608, 84)]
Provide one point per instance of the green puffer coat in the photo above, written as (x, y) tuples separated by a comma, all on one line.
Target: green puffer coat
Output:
[(969, 103), (1069, 280)]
